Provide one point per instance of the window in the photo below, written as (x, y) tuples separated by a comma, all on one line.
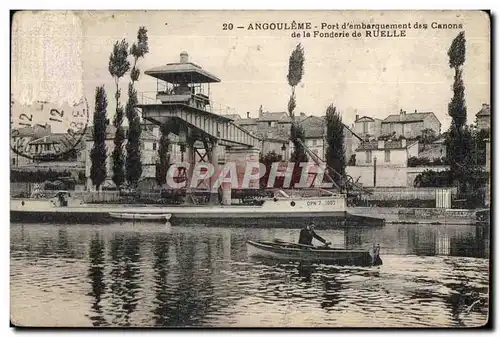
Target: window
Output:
[(13, 161), (315, 151), (365, 127), (154, 146), (269, 123), (368, 156), (315, 142), (47, 147), (387, 156)]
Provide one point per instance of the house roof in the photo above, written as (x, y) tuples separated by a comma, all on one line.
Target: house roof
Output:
[(407, 117), (111, 130), (246, 121), (388, 145), (371, 119), (54, 138), (275, 117), (64, 139), (234, 117), (35, 131), (314, 126), (179, 72), (485, 110)]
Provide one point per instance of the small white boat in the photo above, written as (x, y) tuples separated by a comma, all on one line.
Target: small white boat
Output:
[(141, 216)]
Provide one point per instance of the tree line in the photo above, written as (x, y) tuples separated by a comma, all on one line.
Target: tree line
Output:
[(126, 168), (465, 145)]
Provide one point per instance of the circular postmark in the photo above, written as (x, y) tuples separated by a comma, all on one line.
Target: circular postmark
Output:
[(44, 131)]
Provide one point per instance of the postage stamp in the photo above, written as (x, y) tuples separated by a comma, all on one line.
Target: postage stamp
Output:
[(250, 168)]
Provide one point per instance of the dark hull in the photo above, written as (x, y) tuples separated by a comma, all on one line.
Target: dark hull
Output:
[(322, 221), (286, 252)]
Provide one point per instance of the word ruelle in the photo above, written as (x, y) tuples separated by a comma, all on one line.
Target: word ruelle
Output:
[(253, 172)]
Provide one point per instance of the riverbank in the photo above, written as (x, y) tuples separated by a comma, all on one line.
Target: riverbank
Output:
[(436, 216)]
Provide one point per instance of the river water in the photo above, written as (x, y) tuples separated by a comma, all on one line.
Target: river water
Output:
[(150, 275)]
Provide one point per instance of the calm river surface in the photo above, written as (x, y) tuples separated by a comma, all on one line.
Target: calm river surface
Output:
[(148, 275)]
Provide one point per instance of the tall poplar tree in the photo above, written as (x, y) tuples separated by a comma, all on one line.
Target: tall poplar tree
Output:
[(98, 154), (335, 151), (459, 139), (162, 164), (295, 73), (133, 163), (118, 66)]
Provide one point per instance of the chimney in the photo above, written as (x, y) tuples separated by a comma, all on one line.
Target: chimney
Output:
[(401, 112), (415, 110), (381, 143), (184, 57), (248, 114), (403, 143), (357, 117), (260, 112)]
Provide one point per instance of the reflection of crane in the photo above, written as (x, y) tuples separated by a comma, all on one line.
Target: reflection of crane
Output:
[(348, 179)]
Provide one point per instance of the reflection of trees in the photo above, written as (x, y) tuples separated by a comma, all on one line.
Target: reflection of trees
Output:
[(331, 294), (53, 243), (125, 276), (96, 267), (62, 245), (162, 310), (187, 305), (313, 281), (131, 275), (186, 302)]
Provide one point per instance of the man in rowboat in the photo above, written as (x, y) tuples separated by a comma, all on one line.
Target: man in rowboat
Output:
[(307, 234)]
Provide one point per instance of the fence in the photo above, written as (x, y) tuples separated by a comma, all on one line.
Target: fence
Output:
[(389, 176), (406, 193), (115, 196)]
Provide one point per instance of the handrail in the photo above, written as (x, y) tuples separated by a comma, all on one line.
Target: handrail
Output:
[(150, 97)]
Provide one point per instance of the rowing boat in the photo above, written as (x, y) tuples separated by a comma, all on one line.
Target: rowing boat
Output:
[(141, 216), (288, 251)]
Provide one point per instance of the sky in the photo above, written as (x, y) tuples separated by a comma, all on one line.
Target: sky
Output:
[(62, 56)]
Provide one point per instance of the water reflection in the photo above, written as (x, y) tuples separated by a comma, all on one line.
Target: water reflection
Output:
[(202, 276), (124, 253), (162, 311), (96, 275)]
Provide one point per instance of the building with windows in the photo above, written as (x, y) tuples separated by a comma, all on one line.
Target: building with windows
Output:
[(367, 127), (315, 134), (410, 125), (149, 153), (22, 138), (483, 117), (386, 153), (273, 128)]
